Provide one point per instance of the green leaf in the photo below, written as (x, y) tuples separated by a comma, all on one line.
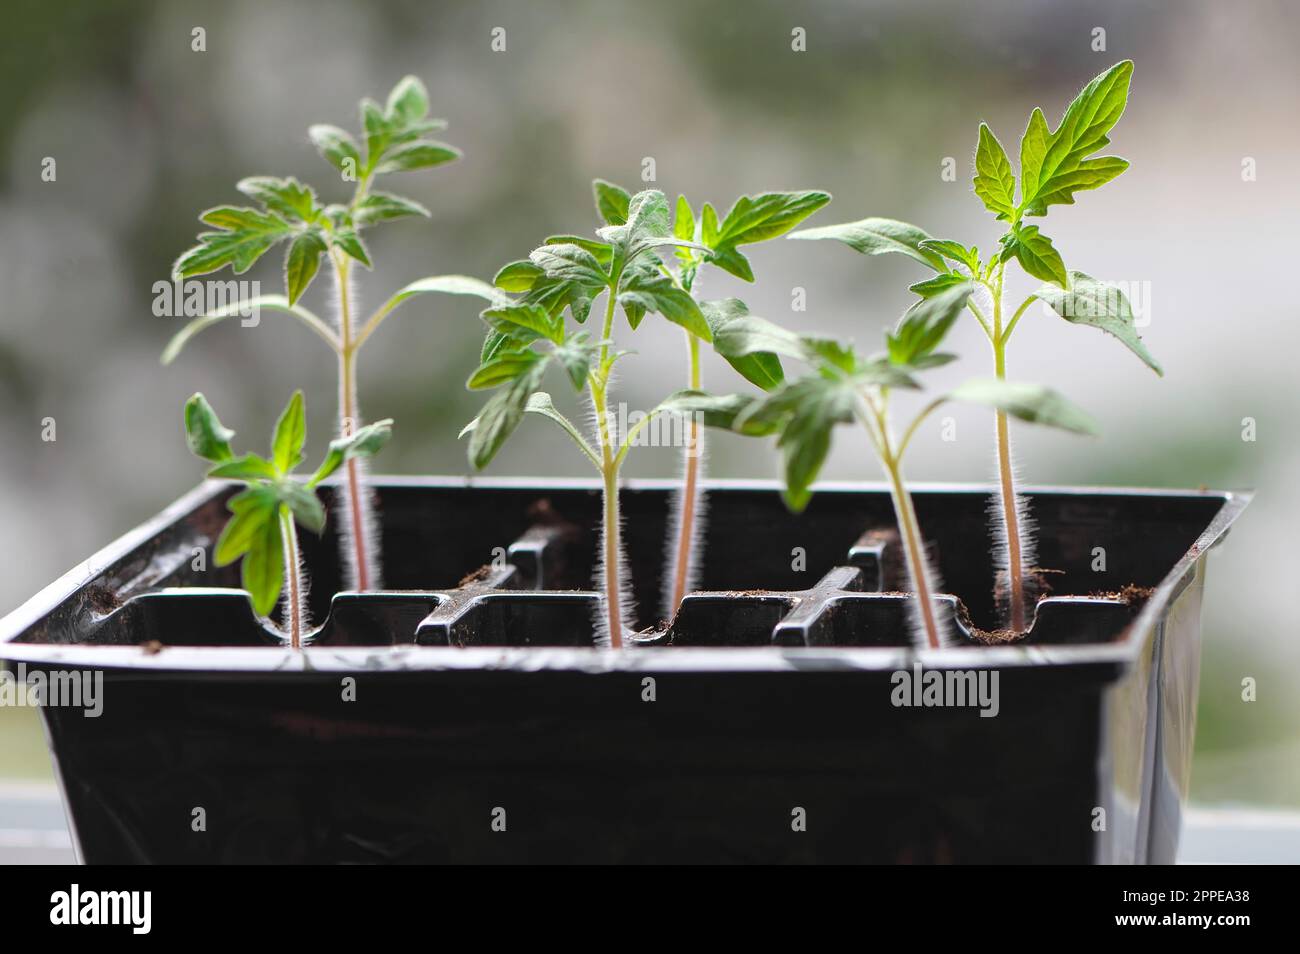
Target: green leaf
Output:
[(364, 442), (712, 410), (302, 262), (337, 147), (709, 225), (577, 354), (805, 413), (423, 154), (525, 323), (250, 510), (502, 369), (1055, 165), (206, 436), (247, 468), (1028, 402), (246, 236), (939, 284), (290, 435), (748, 343), (647, 227), (956, 252), (262, 571), (1036, 254), (352, 246), (603, 252), (922, 329), (994, 183), (660, 294), (539, 402), (1087, 301), (240, 308), (769, 215), (518, 276), (500, 416), (303, 504), (382, 206), (877, 236), (287, 197), (611, 201), (408, 101), (730, 260), (570, 263)]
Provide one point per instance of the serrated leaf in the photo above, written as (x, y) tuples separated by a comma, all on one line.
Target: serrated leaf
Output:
[(262, 571), (994, 183), (290, 435), (206, 436), (569, 263), (500, 416), (287, 197), (1036, 254), (408, 101), (337, 147), (709, 225), (611, 201), (748, 343), (1028, 402), (539, 402), (518, 276), (246, 468), (660, 294), (303, 504), (423, 154), (1055, 165), (922, 329), (247, 235), (732, 261), (525, 323), (363, 442), (1087, 301), (301, 263), (382, 206), (876, 236), (504, 368), (937, 285), (577, 354), (352, 245), (766, 216), (250, 510)]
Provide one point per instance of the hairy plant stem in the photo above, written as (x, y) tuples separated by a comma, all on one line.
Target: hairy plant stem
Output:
[(292, 570), (1010, 515), (686, 503), (358, 559), (904, 511), (609, 465)]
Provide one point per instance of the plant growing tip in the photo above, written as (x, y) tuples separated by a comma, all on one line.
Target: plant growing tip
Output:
[(262, 528), (1054, 166), (394, 138), (845, 388), (566, 276)]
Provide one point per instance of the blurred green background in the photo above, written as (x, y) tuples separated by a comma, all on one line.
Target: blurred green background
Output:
[(146, 132)]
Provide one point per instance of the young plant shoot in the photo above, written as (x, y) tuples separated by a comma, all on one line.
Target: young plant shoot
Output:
[(845, 388), (623, 269), (751, 219), (1054, 165), (262, 529), (394, 139)]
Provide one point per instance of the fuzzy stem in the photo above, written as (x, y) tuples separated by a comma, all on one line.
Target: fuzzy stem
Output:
[(292, 570), (358, 559), (1010, 517), (609, 473), (916, 560), (687, 513)]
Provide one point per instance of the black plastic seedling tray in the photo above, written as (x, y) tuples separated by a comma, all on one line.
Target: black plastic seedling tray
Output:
[(464, 715)]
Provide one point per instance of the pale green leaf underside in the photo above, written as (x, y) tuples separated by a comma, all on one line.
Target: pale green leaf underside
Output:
[(1099, 305)]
